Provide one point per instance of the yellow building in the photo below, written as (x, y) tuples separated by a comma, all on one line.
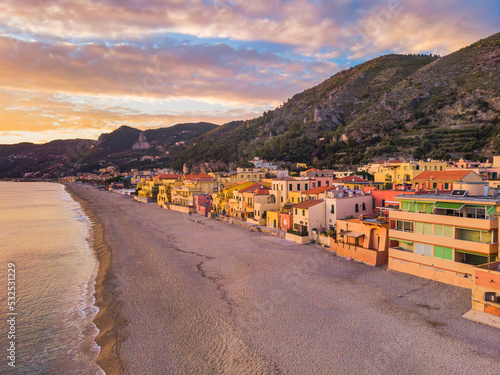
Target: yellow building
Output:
[(401, 172), (192, 185), (249, 174), (221, 202)]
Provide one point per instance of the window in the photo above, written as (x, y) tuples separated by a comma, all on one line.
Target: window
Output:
[(406, 246), (446, 184), (420, 207), (434, 185), (406, 167), (298, 187), (423, 228), (356, 208), (332, 209), (443, 230), (305, 187), (293, 199), (423, 249), (281, 199), (290, 187), (443, 252), (319, 183), (327, 183), (383, 202), (295, 211), (474, 235), (441, 168), (303, 212), (405, 226), (364, 206), (373, 203)]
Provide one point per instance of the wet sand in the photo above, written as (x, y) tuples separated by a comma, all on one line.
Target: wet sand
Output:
[(187, 294)]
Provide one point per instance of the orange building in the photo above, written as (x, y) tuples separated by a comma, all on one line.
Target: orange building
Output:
[(364, 239)]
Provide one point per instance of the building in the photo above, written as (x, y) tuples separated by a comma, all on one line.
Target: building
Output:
[(260, 163), (365, 239), (443, 180), (309, 215), (313, 172), (486, 295), (355, 182), (442, 237), (202, 203), (249, 174), (341, 204)]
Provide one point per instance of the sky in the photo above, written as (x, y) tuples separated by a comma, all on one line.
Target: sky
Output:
[(79, 68)]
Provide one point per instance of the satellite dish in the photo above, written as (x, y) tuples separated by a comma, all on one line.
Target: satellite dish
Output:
[(428, 159)]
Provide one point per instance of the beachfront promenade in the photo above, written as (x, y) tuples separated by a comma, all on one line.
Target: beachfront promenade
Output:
[(201, 296)]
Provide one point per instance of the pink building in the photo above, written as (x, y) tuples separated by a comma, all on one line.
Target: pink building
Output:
[(285, 221), (202, 204)]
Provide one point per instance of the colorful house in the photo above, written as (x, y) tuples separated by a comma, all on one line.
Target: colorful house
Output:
[(309, 215), (364, 239), (442, 237), (443, 180), (340, 204)]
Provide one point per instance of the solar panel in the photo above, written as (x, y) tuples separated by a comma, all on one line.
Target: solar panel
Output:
[(458, 193)]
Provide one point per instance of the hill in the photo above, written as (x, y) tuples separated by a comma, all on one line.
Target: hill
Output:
[(123, 147), (395, 105)]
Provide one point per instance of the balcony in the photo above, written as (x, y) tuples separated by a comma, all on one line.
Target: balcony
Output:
[(482, 248), (459, 221)]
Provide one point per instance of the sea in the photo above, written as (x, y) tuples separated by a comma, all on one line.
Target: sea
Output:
[(44, 236)]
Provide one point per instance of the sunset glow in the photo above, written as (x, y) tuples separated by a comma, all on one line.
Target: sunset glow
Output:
[(75, 68)]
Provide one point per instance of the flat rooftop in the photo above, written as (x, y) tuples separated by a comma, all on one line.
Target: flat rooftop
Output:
[(479, 198)]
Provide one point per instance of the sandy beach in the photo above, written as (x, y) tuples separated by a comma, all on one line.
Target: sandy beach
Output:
[(187, 294)]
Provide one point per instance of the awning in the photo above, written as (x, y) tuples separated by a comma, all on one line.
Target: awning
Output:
[(449, 205), (353, 234), (491, 210)]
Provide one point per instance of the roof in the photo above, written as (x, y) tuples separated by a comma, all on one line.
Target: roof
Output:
[(350, 179), (199, 177), (171, 176), (442, 175), (261, 192), (308, 203), (318, 190), (313, 170)]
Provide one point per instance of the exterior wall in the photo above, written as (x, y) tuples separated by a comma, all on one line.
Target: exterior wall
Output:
[(431, 268), (321, 181), (372, 247), (272, 218), (451, 270), (312, 217), (285, 221), (249, 174), (487, 280), (346, 206)]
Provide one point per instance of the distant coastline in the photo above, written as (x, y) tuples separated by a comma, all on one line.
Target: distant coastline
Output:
[(108, 320)]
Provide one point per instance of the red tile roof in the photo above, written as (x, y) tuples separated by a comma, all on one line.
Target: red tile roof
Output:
[(318, 190), (442, 175), (261, 192), (308, 203), (351, 179), (171, 176)]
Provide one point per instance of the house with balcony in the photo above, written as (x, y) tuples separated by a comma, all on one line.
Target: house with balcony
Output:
[(365, 239), (281, 188), (443, 236)]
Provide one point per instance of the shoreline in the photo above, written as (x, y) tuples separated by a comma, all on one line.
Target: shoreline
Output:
[(108, 319)]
